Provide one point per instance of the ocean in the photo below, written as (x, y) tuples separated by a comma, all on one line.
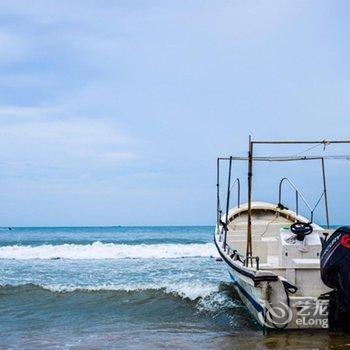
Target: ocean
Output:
[(130, 288)]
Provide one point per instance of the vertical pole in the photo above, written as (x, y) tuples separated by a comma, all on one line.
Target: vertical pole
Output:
[(238, 193), (250, 175), (228, 200), (325, 191), (297, 202), (217, 194)]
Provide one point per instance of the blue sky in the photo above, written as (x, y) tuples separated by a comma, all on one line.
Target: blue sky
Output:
[(113, 112)]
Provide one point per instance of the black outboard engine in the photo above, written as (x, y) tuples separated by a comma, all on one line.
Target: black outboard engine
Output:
[(335, 273)]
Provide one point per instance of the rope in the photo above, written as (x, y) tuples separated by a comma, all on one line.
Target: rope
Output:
[(312, 147), (268, 224)]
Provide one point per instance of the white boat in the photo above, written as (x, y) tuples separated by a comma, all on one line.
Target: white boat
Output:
[(273, 254)]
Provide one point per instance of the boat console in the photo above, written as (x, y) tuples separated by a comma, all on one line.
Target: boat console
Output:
[(292, 248)]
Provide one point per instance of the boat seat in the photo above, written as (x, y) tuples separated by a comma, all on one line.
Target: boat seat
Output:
[(306, 263), (271, 262), (269, 239), (262, 247)]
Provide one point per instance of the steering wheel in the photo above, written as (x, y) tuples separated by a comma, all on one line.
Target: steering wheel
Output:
[(301, 230)]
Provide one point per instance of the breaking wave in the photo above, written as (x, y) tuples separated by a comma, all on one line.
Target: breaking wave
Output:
[(99, 250), (185, 290), (206, 297)]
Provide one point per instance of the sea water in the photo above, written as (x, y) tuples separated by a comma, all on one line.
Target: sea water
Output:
[(124, 287)]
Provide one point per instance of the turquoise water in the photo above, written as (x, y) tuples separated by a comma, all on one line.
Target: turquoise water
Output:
[(74, 286), (123, 287)]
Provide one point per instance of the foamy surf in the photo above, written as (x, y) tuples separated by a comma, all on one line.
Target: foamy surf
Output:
[(99, 250), (109, 282), (206, 296), (185, 290)]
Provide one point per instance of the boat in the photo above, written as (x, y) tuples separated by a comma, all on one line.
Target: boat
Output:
[(273, 253)]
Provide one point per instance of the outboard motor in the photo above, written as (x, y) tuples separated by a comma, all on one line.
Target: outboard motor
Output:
[(335, 273)]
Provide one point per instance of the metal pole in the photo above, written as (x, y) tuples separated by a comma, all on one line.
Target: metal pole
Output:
[(238, 193), (218, 194), (325, 191), (250, 175), (323, 142), (280, 192), (297, 202), (286, 158), (228, 200)]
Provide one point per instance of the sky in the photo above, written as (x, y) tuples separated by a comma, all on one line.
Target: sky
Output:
[(113, 112)]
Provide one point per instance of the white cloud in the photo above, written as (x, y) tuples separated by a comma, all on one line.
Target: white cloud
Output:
[(12, 48), (38, 137), (119, 156), (20, 112)]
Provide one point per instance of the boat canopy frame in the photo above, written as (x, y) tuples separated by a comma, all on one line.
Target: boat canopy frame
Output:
[(251, 159)]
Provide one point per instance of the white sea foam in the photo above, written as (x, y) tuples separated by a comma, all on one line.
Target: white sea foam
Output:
[(98, 250), (207, 296), (186, 290)]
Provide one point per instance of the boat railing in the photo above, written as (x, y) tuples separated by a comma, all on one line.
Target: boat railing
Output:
[(238, 182), (224, 224), (298, 195), (233, 253), (251, 259), (227, 199)]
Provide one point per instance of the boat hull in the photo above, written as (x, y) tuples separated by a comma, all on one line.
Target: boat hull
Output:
[(274, 309)]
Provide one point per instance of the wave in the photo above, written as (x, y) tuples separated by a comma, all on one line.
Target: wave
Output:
[(185, 290), (79, 241), (99, 250), (206, 297)]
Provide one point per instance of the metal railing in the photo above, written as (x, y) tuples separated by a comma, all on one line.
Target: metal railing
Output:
[(238, 182), (230, 188), (298, 195)]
